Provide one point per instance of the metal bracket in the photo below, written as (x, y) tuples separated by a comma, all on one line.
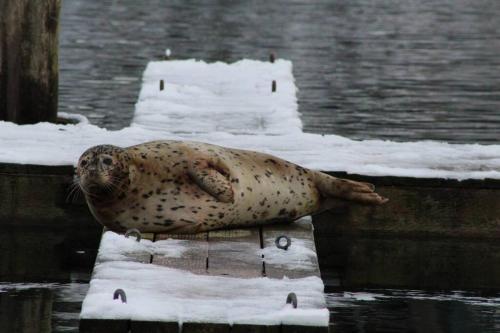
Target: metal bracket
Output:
[(279, 245), (121, 294), (134, 232), (292, 299)]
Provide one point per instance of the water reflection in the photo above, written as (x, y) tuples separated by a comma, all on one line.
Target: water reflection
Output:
[(40, 308), (45, 256), (413, 311)]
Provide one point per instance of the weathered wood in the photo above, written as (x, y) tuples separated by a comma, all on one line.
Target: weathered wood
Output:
[(411, 263), (297, 265), (205, 328), (29, 60), (304, 329), (42, 199), (235, 253), (193, 260), (240, 328), (153, 327), (104, 325), (418, 212)]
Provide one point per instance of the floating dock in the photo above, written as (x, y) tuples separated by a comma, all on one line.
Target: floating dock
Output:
[(262, 279)]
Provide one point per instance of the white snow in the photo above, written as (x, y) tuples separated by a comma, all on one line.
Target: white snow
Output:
[(231, 105), (218, 97), (298, 256), (118, 247), (158, 293)]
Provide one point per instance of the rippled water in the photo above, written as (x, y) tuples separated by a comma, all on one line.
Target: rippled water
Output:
[(401, 70), (413, 311)]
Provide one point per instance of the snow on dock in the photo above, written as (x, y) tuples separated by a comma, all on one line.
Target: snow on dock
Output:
[(204, 98), (226, 278), (232, 105)]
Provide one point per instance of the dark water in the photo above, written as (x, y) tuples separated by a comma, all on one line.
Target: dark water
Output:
[(413, 311), (44, 277), (389, 69)]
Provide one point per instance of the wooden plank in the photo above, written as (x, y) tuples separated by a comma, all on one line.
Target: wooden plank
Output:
[(298, 265), (304, 329), (193, 260), (153, 327), (240, 328), (205, 328), (104, 325), (235, 253)]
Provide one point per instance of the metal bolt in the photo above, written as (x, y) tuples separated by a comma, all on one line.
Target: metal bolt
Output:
[(120, 293), (279, 245), (134, 232), (292, 299)]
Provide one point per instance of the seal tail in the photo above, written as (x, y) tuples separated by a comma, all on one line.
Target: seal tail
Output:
[(332, 187)]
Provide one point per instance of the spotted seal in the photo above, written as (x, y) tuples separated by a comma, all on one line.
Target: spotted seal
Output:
[(188, 187)]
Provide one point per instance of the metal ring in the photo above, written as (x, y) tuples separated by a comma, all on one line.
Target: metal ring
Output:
[(120, 293), (135, 233), (278, 242), (292, 299)]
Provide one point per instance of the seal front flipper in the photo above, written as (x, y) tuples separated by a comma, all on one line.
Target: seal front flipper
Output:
[(211, 180)]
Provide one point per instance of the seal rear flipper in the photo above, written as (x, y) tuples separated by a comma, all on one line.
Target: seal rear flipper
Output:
[(211, 180), (332, 187)]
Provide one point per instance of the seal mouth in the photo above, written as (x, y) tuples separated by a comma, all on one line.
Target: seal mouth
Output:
[(95, 189)]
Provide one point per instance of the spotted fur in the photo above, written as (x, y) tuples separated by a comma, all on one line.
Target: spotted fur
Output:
[(188, 187)]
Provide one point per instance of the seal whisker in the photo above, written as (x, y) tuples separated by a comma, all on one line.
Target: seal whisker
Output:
[(74, 192)]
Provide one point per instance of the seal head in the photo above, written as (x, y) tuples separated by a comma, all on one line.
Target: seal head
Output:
[(102, 172)]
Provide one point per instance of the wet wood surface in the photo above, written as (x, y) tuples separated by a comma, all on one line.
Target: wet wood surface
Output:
[(29, 70)]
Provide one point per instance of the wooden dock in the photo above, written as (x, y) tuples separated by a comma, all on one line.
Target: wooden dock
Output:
[(222, 281)]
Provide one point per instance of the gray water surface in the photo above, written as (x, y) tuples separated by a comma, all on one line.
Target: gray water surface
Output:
[(387, 69)]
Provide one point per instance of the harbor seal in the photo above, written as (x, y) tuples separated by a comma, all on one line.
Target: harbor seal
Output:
[(189, 187)]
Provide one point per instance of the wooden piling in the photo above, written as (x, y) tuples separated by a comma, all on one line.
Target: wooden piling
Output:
[(29, 34), (273, 86)]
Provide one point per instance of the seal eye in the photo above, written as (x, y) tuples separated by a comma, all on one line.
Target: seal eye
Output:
[(107, 161), (83, 163)]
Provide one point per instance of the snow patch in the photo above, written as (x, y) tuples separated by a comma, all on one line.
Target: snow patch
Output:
[(118, 247), (159, 293), (298, 256)]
